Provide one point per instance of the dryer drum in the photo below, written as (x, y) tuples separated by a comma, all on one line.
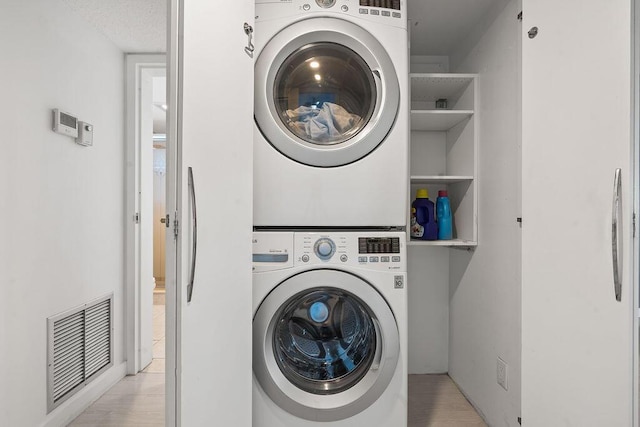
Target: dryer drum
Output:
[(325, 93), (324, 340)]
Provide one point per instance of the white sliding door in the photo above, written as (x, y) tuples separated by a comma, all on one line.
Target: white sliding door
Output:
[(211, 112), (576, 337)]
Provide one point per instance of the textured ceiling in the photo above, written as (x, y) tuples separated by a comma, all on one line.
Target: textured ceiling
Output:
[(135, 26)]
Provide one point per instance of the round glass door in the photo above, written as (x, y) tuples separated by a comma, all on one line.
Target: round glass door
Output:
[(325, 345), (324, 340), (326, 92)]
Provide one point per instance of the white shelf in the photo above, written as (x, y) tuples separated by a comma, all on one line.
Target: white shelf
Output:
[(432, 86), (439, 179), (446, 243), (438, 120)]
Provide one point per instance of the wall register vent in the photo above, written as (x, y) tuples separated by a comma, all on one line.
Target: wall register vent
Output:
[(80, 347)]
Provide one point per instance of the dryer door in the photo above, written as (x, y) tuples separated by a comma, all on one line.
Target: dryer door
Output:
[(326, 92), (325, 345)]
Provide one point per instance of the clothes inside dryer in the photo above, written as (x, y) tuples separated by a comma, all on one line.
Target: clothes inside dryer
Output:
[(324, 340), (324, 124)]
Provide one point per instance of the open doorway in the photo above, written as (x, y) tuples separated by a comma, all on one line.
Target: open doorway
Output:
[(146, 75), (159, 221)]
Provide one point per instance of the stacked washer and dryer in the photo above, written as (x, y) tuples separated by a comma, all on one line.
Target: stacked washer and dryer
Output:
[(330, 198)]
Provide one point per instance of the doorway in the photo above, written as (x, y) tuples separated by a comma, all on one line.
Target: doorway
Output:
[(146, 170), (159, 168)]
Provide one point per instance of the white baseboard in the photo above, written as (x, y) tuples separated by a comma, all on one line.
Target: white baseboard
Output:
[(75, 405)]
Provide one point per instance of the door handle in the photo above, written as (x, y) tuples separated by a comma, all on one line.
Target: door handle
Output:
[(615, 234), (194, 236)]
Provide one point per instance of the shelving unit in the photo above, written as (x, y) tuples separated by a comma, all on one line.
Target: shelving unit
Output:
[(444, 149)]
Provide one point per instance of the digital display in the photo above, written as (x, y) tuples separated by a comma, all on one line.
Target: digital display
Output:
[(68, 120), (379, 245), (386, 4)]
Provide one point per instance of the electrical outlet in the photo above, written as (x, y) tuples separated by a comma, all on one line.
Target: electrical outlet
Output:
[(502, 373)]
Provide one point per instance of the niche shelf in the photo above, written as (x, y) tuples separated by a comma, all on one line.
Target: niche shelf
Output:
[(444, 149)]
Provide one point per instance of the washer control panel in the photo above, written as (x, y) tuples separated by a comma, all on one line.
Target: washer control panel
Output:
[(374, 250)]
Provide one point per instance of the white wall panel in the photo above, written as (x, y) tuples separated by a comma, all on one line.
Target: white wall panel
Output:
[(485, 285), (61, 204)]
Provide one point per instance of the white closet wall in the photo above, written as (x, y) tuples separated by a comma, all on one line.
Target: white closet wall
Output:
[(485, 285)]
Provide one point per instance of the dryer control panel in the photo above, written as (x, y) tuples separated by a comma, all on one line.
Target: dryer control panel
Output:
[(389, 12)]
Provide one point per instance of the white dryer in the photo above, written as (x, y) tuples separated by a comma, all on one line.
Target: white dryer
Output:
[(329, 329), (331, 113)]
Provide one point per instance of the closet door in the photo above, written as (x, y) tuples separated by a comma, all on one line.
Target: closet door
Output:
[(576, 126), (209, 376)]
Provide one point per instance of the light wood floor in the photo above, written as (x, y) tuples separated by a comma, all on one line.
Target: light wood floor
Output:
[(138, 401), (435, 401)]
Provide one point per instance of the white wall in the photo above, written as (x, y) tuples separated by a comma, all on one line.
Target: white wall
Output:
[(485, 285), (61, 204), (428, 309)]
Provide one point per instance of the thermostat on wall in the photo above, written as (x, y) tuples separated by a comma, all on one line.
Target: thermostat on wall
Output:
[(85, 134), (65, 123)]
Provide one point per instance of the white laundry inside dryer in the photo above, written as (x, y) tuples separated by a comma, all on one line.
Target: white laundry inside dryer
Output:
[(324, 124)]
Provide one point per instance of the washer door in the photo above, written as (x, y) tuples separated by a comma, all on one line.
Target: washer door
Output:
[(325, 345), (326, 92)]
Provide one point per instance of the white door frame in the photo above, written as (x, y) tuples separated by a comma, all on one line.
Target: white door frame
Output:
[(635, 86), (138, 67), (174, 29)]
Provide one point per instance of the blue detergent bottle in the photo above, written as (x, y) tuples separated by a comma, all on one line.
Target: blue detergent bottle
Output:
[(423, 220), (443, 214)]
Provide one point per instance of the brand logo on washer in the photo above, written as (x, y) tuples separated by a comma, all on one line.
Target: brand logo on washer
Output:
[(398, 282)]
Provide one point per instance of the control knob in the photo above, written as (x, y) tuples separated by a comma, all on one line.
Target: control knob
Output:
[(326, 3), (324, 248)]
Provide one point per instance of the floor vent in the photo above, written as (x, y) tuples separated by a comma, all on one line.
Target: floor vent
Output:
[(80, 347)]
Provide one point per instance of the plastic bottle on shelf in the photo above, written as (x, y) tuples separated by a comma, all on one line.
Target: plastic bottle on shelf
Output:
[(443, 215), (423, 220)]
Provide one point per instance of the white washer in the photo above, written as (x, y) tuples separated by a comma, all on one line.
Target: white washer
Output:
[(331, 113), (329, 329)]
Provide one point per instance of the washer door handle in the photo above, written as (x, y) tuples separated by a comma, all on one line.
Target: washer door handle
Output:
[(377, 358), (194, 237)]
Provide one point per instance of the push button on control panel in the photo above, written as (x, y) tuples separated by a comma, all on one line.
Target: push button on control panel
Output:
[(384, 259), (373, 259), (395, 259), (362, 259), (344, 258), (306, 6), (305, 258)]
